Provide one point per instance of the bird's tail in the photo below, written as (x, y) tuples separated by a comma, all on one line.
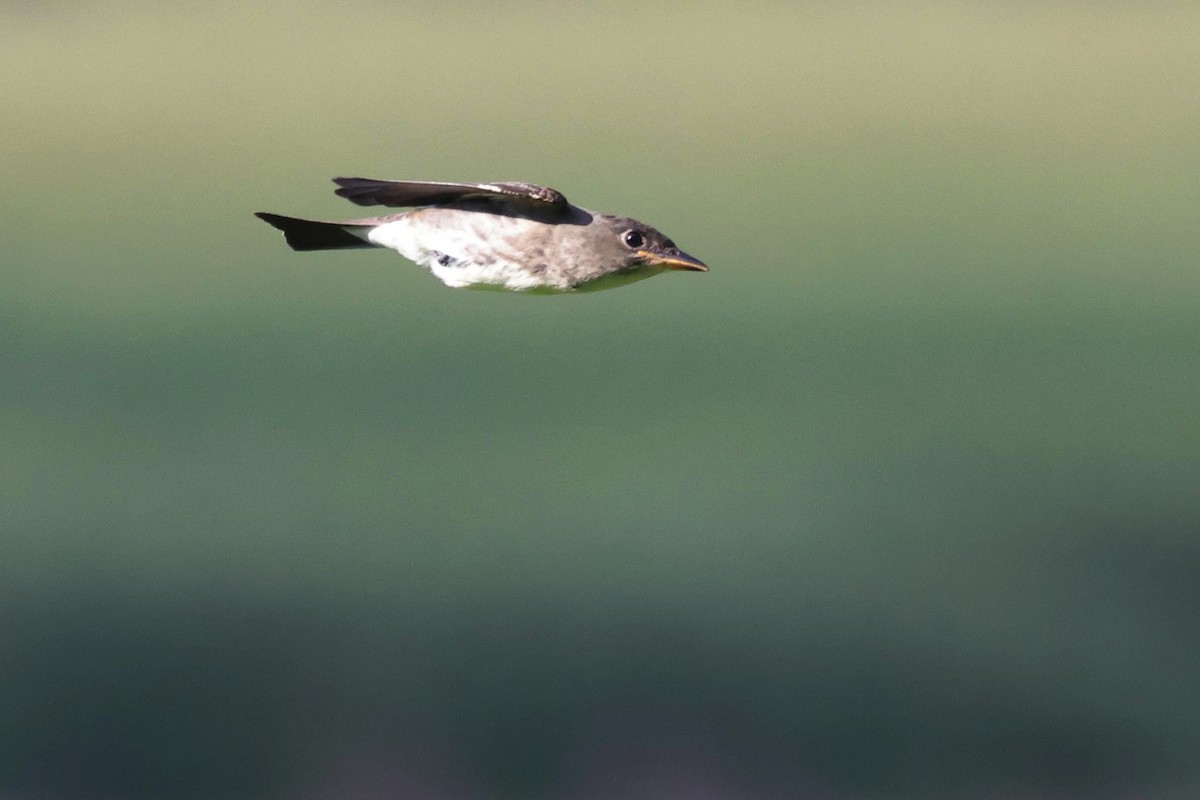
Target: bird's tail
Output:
[(309, 234)]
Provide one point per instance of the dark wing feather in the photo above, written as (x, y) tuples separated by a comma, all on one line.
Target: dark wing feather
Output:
[(403, 194)]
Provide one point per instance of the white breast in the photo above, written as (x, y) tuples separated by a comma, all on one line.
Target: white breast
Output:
[(464, 248)]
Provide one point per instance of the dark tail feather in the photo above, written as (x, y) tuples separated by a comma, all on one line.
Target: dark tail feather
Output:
[(307, 234)]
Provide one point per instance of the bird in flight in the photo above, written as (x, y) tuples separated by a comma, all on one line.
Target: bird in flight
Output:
[(514, 236)]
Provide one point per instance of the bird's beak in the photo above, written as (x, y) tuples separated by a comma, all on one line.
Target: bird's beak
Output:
[(673, 259)]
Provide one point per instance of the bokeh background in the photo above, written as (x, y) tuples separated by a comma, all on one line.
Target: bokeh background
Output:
[(900, 500)]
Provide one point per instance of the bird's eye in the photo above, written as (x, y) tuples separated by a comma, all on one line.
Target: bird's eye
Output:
[(633, 240)]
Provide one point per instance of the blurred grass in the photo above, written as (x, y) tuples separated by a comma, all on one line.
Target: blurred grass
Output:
[(900, 497)]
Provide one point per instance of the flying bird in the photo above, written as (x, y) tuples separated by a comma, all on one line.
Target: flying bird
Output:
[(514, 236)]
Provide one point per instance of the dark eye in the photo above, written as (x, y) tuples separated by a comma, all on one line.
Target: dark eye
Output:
[(633, 240)]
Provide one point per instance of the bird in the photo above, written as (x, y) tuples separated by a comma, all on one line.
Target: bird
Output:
[(505, 235)]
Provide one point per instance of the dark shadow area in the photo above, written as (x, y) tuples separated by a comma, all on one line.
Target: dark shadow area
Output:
[(110, 693)]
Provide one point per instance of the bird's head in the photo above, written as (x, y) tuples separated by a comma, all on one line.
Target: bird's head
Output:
[(626, 246)]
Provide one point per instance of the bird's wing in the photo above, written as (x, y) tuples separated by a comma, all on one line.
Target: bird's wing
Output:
[(402, 194)]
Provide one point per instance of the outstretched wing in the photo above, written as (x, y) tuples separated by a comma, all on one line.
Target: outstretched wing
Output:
[(402, 194)]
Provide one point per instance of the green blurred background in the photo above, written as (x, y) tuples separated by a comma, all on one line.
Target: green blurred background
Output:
[(900, 500)]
